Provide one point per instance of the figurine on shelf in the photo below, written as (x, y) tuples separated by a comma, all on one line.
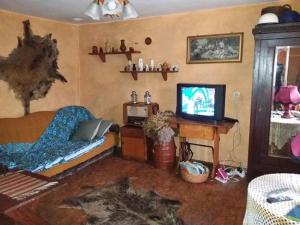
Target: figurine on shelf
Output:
[(123, 46), (131, 49), (146, 68)]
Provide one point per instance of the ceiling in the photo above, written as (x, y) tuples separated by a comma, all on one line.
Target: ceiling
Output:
[(67, 10)]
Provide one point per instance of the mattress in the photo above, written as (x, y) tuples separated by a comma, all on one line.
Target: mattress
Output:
[(109, 142), (74, 154)]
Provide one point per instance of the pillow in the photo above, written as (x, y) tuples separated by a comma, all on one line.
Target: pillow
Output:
[(87, 130), (104, 127)]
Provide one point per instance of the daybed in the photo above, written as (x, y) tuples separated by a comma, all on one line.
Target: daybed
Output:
[(30, 129)]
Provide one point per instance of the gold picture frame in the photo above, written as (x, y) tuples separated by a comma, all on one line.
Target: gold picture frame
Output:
[(217, 48)]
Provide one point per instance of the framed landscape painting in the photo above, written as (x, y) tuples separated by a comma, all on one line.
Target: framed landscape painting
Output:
[(218, 48)]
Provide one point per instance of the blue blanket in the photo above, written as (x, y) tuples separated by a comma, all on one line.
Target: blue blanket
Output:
[(53, 146)]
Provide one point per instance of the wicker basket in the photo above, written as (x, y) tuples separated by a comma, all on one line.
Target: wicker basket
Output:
[(193, 178)]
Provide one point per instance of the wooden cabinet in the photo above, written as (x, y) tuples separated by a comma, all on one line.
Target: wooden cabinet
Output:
[(276, 46), (134, 143)]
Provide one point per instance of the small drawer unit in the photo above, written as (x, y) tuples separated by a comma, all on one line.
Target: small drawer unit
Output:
[(134, 143)]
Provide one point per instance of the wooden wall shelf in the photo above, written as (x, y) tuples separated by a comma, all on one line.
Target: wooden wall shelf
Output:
[(102, 55), (163, 73)]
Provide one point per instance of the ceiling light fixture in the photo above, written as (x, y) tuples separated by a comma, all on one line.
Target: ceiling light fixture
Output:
[(94, 10), (99, 9), (129, 11), (112, 8)]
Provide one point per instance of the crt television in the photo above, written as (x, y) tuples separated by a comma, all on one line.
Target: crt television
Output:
[(201, 102)]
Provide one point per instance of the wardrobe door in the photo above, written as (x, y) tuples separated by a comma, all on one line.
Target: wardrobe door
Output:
[(277, 63)]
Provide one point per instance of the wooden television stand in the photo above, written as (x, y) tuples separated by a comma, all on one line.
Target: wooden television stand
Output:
[(203, 130)]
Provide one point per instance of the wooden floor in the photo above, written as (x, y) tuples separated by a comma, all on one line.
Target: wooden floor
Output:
[(210, 203)]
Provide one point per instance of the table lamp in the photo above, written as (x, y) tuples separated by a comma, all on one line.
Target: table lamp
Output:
[(287, 96), (295, 145)]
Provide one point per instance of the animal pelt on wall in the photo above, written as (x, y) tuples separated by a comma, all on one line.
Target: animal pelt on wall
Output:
[(31, 68)]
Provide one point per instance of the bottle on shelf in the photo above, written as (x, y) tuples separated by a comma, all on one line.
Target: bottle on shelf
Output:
[(146, 67), (133, 97), (151, 65), (129, 66), (147, 98)]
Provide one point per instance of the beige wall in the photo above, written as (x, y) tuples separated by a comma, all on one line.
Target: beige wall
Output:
[(101, 88), (67, 36), (104, 89)]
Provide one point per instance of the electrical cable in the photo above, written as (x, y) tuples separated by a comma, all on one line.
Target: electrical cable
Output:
[(231, 158)]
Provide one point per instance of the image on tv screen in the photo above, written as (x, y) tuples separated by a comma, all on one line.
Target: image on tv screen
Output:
[(198, 101)]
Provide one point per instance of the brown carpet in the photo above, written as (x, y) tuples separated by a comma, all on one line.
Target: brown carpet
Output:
[(210, 203)]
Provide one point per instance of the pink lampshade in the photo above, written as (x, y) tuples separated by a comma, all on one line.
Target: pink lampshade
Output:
[(295, 145), (288, 95)]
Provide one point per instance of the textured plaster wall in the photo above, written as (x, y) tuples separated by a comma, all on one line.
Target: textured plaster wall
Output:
[(101, 88), (67, 36), (104, 89)]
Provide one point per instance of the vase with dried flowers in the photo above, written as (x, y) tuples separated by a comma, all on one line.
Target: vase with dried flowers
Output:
[(157, 127)]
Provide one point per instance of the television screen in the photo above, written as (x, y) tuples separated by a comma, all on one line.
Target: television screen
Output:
[(198, 100), (203, 102)]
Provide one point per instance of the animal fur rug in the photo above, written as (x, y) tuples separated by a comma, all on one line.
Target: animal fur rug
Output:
[(122, 204), (31, 68)]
